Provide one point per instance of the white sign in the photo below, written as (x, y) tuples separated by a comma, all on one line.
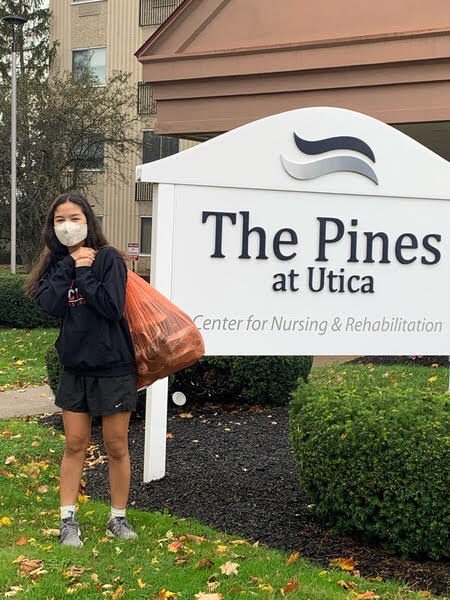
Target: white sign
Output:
[(133, 250), (315, 231)]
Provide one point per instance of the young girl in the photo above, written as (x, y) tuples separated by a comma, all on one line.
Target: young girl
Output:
[(82, 279)]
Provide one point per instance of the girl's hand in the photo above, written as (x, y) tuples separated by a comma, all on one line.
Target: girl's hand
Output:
[(84, 262), (83, 252), (84, 257)]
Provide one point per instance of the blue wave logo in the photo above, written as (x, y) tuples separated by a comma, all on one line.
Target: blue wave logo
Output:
[(332, 164)]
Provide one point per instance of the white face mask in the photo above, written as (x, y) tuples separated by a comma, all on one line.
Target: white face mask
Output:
[(69, 233)]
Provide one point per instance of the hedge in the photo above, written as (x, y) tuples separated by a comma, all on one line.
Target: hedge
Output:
[(16, 309), (374, 460), (263, 380)]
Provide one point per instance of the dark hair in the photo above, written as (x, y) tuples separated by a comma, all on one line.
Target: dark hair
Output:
[(54, 251)]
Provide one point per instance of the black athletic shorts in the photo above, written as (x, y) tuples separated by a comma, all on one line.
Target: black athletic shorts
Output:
[(97, 396)]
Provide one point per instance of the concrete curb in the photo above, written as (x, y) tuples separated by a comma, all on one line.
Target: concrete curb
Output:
[(32, 400)]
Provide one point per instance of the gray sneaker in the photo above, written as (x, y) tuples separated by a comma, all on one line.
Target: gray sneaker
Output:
[(70, 532), (119, 527)]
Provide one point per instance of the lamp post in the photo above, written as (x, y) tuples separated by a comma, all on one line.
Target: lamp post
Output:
[(16, 23)]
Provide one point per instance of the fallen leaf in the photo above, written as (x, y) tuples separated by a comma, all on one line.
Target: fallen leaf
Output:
[(347, 585), (184, 415), (266, 587), (204, 563), (367, 595), (293, 557), (13, 590), (346, 564), (229, 568), (202, 596), (32, 567), (164, 594), (192, 538), (74, 571), (22, 540), (292, 585), (174, 546)]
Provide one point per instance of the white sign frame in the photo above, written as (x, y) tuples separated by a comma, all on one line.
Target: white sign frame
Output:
[(403, 169)]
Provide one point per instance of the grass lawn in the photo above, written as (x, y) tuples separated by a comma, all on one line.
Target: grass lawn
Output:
[(166, 561), (22, 356), (415, 376), (161, 563)]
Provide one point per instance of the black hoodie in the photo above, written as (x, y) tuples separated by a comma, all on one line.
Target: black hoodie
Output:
[(94, 337)]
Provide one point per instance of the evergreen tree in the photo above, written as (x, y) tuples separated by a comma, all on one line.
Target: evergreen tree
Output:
[(34, 50), (66, 123)]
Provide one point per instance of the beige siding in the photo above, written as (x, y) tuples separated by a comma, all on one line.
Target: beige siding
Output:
[(114, 24)]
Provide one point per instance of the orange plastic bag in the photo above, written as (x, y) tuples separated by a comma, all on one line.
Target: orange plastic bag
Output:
[(165, 339)]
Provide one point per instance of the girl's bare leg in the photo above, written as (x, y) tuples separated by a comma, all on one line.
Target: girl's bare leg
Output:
[(115, 437), (77, 427)]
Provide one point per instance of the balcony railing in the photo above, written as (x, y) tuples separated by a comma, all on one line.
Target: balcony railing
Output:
[(144, 191), (155, 12), (146, 105)]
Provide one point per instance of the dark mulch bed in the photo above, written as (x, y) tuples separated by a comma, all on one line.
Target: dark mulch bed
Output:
[(425, 361), (206, 480)]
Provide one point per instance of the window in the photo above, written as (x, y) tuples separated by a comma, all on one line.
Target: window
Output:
[(143, 191), (89, 155), (146, 105), (158, 146), (146, 236), (155, 12), (93, 59)]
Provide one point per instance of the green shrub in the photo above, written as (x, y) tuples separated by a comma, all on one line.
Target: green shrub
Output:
[(209, 379), (54, 368), (264, 380), (374, 460), (16, 309)]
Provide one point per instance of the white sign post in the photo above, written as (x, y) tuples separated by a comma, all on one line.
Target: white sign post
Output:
[(315, 231)]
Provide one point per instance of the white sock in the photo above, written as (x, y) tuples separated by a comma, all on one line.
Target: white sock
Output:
[(116, 512), (68, 511)]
